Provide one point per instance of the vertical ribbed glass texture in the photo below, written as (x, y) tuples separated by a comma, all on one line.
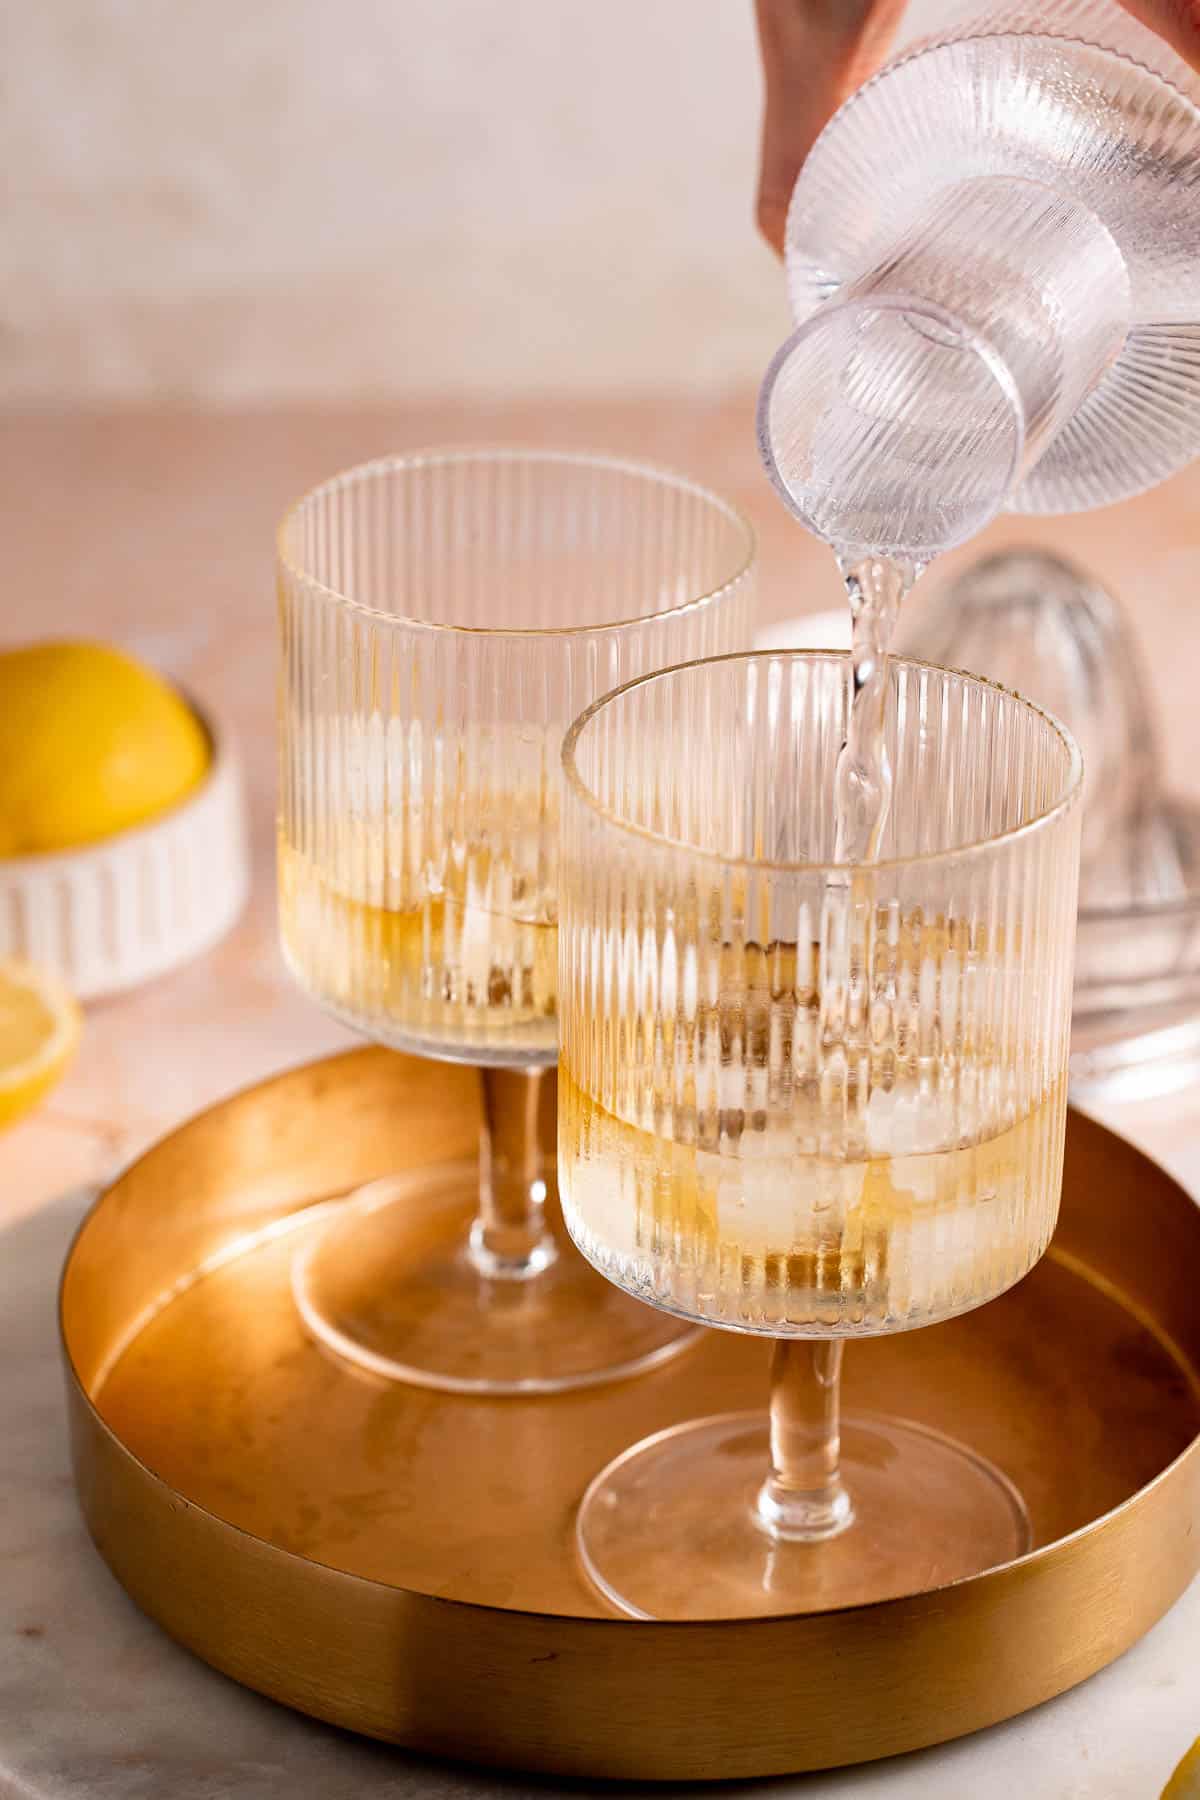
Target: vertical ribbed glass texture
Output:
[(797, 1098), (444, 617)]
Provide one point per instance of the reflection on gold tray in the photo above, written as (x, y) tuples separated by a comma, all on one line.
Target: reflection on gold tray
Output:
[(400, 1561)]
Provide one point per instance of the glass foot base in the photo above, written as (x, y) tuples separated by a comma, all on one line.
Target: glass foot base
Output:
[(670, 1529), (388, 1284)]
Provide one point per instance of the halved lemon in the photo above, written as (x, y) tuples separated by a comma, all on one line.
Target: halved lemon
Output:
[(39, 1030)]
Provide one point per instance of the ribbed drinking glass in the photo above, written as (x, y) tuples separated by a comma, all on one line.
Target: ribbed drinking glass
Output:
[(444, 617), (809, 1100)]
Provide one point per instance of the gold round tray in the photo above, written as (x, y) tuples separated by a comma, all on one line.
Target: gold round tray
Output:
[(400, 1562)]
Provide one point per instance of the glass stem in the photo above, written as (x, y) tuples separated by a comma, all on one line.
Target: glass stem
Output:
[(803, 1497), (510, 1239)]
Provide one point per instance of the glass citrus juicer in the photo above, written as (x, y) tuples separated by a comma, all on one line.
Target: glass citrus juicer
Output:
[(1042, 625), (444, 617)]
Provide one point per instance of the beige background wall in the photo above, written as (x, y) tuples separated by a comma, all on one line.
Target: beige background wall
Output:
[(263, 199)]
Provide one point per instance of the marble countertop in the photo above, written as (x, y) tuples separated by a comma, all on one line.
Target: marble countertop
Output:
[(156, 530)]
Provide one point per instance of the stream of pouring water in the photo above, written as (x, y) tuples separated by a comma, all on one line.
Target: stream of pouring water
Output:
[(876, 587)]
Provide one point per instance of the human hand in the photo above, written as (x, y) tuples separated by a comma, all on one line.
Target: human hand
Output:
[(815, 53)]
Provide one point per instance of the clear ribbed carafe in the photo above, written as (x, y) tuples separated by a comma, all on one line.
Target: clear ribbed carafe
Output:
[(993, 258)]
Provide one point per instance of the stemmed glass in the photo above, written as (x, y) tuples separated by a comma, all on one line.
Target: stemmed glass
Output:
[(444, 616), (809, 1101)]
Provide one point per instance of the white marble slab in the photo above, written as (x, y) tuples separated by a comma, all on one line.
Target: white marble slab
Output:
[(95, 1704)]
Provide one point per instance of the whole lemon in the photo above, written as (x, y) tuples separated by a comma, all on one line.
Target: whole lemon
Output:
[(91, 742)]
